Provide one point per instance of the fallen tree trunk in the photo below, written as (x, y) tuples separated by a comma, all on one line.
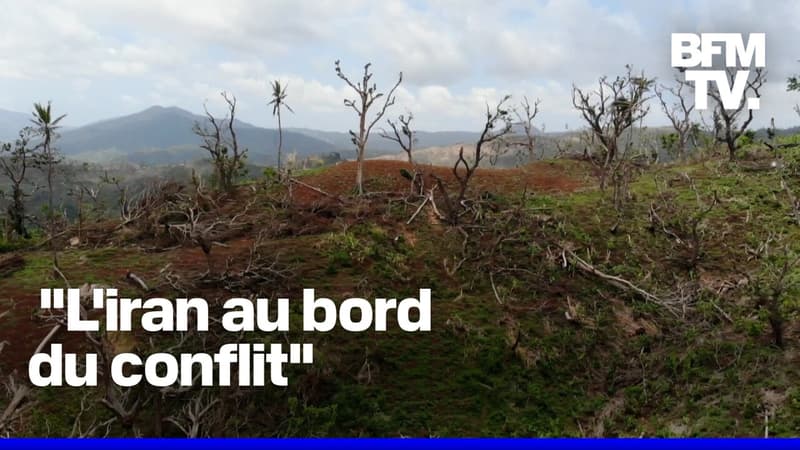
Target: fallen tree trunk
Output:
[(11, 264), (20, 392), (615, 281)]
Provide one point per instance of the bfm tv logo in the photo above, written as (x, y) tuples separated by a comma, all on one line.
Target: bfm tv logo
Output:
[(698, 50)]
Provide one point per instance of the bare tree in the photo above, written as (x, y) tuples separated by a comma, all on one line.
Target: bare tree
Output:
[(219, 140), (278, 102), (611, 109), (367, 93), (731, 124), (773, 285), (82, 191), (526, 114), (523, 146), (46, 125), (679, 112), (15, 160), (498, 124), (404, 136), (122, 189)]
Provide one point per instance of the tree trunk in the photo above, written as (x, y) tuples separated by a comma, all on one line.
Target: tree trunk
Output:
[(280, 141), (50, 212), (17, 213), (731, 149), (362, 144), (80, 217), (360, 172)]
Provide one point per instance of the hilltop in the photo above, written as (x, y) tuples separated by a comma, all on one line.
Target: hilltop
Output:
[(556, 311)]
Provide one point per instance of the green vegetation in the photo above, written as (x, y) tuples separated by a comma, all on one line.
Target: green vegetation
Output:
[(521, 344), (599, 294)]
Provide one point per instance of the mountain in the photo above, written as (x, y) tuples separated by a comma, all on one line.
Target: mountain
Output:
[(10, 124), (161, 135)]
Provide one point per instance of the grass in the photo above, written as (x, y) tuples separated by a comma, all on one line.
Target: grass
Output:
[(617, 365)]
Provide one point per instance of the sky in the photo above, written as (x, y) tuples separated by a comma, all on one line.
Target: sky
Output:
[(97, 59)]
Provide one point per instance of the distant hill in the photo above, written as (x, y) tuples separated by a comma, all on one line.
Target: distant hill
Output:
[(378, 145), (11, 122), (547, 145), (160, 135), (163, 135)]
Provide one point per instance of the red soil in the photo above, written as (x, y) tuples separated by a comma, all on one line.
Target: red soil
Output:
[(384, 175)]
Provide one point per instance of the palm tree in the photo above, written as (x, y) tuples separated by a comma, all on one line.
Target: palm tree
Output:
[(46, 126), (278, 102)]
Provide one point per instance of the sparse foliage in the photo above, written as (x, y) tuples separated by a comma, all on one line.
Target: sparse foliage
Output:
[(776, 286), (685, 228), (404, 136), (525, 145), (611, 109), (497, 125), (793, 84), (731, 124), (679, 112), (15, 160)]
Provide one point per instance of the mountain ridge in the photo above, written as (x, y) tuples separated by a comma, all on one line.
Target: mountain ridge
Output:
[(159, 134)]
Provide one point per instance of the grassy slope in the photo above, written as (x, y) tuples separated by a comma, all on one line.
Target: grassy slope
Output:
[(621, 366)]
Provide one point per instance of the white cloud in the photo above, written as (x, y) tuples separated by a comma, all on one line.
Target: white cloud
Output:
[(99, 58)]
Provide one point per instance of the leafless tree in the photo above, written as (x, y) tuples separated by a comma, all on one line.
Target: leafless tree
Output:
[(679, 112), (523, 146), (776, 282), (731, 124), (497, 125), (81, 191), (404, 136), (15, 160), (367, 93), (526, 114), (611, 109), (192, 418), (122, 190), (686, 228), (219, 140)]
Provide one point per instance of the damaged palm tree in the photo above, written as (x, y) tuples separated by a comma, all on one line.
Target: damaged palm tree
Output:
[(46, 126), (278, 103)]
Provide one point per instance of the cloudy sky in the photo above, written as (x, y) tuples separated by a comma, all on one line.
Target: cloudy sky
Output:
[(96, 58)]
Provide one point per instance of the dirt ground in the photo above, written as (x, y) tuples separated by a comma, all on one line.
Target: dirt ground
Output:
[(383, 175), (22, 331)]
